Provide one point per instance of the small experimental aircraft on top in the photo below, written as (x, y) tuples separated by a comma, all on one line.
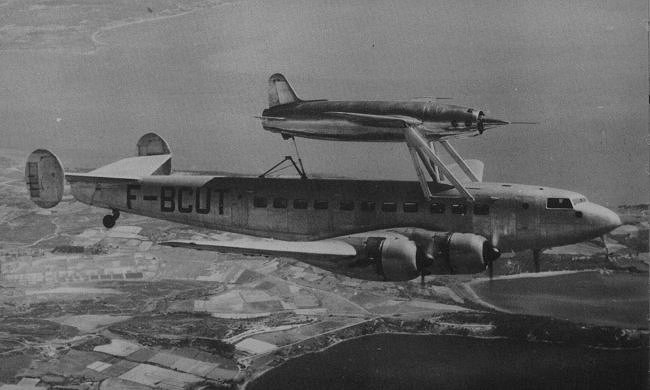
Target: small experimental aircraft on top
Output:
[(367, 121), (421, 124), (368, 229)]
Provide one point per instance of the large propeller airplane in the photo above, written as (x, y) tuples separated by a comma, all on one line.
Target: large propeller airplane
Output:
[(368, 229)]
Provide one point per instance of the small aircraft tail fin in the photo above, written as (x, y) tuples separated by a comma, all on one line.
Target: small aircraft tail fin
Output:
[(44, 177), (280, 92)]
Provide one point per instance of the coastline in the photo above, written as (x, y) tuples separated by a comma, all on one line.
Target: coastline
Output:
[(477, 325)]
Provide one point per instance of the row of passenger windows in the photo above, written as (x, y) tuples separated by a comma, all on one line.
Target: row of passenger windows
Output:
[(370, 206)]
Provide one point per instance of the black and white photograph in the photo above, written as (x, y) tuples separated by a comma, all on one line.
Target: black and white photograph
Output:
[(248, 194)]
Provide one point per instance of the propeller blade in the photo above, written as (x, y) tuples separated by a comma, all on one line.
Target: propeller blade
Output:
[(491, 269), (490, 253), (606, 248)]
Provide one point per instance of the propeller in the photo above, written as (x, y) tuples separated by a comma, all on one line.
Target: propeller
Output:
[(423, 259), (606, 248), (480, 126), (490, 253)]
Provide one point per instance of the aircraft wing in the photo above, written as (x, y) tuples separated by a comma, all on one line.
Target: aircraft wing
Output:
[(257, 246), (377, 120)]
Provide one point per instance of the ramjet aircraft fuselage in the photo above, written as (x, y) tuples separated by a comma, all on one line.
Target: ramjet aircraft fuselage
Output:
[(388, 225), (382, 121)]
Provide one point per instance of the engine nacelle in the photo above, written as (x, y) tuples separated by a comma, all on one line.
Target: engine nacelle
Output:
[(398, 259), (384, 258), (456, 253), (467, 253)]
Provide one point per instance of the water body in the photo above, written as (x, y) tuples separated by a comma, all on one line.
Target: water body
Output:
[(599, 298), (446, 362), (576, 67)]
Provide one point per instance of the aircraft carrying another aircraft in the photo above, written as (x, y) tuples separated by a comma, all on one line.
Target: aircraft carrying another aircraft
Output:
[(421, 124), (368, 229)]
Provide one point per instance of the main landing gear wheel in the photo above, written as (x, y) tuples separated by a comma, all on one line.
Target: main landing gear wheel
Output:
[(109, 220)]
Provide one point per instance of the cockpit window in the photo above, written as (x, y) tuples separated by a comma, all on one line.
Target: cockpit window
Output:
[(558, 203)]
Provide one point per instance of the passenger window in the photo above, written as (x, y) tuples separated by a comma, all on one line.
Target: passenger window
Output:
[(347, 205), (410, 207), (481, 209), (460, 209), (280, 203), (259, 201), (321, 205), (390, 207), (558, 203), (368, 206), (437, 208), (300, 204)]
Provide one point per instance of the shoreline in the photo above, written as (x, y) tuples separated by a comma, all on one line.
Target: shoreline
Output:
[(257, 374), (476, 325)]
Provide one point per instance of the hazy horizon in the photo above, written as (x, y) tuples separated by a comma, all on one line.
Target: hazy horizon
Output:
[(578, 68)]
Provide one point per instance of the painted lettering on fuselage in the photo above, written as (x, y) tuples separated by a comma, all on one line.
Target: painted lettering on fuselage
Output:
[(181, 199)]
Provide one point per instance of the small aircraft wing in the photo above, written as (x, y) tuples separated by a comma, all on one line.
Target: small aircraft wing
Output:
[(377, 120), (256, 246)]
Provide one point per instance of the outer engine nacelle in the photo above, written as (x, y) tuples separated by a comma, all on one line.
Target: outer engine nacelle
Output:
[(390, 258), (398, 259)]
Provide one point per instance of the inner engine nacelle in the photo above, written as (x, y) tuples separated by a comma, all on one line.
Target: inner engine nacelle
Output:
[(467, 253)]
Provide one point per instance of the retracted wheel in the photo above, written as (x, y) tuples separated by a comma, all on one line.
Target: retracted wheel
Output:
[(108, 221)]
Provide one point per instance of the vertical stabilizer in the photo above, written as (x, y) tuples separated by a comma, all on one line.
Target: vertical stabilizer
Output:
[(44, 177), (280, 92)]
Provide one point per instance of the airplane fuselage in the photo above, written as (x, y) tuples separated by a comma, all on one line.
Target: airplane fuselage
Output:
[(327, 120), (513, 216)]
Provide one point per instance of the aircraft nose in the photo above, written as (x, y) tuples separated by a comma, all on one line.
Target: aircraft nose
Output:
[(494, 122), (602, 219)]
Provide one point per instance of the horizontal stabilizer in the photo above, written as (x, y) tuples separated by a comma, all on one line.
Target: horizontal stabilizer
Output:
[(127, 169), (255, 246)]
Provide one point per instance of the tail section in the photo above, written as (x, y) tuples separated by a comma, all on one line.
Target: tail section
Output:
[(44, 177), (280, 92), (154, 158)]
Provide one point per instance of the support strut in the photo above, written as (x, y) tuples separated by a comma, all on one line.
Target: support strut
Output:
[(299, 167), (459, 160), (415, 140), (418, 170)]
